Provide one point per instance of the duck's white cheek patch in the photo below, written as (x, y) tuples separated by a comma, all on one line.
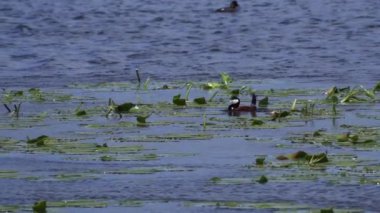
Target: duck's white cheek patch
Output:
[(234, 101)]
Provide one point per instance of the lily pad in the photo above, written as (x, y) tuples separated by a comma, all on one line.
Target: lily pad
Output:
[(177, 100), (200, 100)]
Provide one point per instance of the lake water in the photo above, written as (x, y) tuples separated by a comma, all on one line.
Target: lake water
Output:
[(53, 43), (65, 46)]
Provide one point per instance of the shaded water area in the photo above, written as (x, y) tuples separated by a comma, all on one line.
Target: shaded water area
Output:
[(77, 55)]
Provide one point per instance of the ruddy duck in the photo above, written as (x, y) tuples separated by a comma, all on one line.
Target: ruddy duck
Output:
[(235, 105), (234, 6)]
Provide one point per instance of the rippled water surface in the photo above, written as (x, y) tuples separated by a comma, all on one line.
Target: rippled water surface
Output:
[(53, 43), (65, 46)]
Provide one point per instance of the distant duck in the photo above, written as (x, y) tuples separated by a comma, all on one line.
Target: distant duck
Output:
[(235, 105), (234, 6)]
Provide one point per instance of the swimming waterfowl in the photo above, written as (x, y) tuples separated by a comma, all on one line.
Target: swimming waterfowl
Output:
[(235, 105), (234, 6)]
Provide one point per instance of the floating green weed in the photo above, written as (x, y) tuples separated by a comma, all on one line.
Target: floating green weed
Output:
[(278, 115), (263, 179), (224, 84), (72, 177), (257, 122), (260, 161), (34, 95), (359, 137), (39, 206), (7, 145), (9, 208), (118, 109), (125, 107), (175, 137), (311, 159), (177, 100), (264, 102), (147, 170), (348, 95), (131, 203), (376, 88), (141, 119), (40, 141), (77, 204), (201, 100), (8, 174), (248, 205), (216, 179), (131, 157)]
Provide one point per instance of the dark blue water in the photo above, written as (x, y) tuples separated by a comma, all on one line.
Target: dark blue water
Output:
[(54, 43)]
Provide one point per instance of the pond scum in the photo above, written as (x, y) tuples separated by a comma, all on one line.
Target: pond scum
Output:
[(123, 122)]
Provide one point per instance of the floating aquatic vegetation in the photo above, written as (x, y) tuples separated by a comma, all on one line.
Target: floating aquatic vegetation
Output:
[(277, 115), (264, 102), (201, 100), (284, 92), (348, 95), (74, 147), (7, 145), (40, 141), (131, 157), (79, 112), (185, 124), (262, 180), (131, 203), (376, 88), (224, 84), (118, 109), (72, 177), (260, 161), (216, 179), (179, 136), (34, 95), (177, 100), (249, 205), (10, 96), (8, 174), (124, 108), (39, 206), (147, 170), (141, 119), (244, 122), (9, 208), (107, 158), (257, 122), (77, 204), (311, 159), (358, 137)]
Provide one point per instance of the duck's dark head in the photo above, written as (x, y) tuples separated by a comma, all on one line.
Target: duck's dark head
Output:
[(234, 4), (234, 103), (253, 102)]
